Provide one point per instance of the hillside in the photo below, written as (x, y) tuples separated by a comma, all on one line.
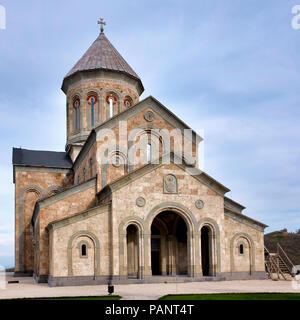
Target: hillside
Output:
[(290, 242)]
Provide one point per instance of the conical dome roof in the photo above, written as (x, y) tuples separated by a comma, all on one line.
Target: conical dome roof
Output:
[(103, 55)]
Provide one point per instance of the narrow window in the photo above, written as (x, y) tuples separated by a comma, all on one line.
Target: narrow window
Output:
[(111, 107), (92, 112), (77, 114), (91, 167), (84, 174), (78, 179), (241, 249), (149, 152), (83, 250)]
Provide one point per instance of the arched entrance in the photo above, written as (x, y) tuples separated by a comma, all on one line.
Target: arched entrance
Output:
[(169, 249), (206, 251), (132, 251)]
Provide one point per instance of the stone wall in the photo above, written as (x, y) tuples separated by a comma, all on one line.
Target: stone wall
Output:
[(75, 202), (90, 228), (150, 187), (94, 224), (109, 173), (32, 184), (100, 88)]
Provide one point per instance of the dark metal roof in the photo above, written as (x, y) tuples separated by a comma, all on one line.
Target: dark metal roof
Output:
[(23, 157), (102, 55)]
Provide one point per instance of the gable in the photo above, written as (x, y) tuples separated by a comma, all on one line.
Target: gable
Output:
[(143, 105)]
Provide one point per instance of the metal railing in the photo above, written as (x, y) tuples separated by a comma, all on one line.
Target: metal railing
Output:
[(285, 259)]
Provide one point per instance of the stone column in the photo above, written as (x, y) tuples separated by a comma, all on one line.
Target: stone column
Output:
[(100, 110), (212, 254), (141, 255), (123, 255), (117, 108), (198, 264), (147, 254)]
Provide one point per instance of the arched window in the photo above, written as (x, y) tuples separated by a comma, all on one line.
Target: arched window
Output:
[(83, 250), (128, 102), (111, 99), (111, 107), (149, 152), (92, 100), (241, 249), (77, 114)]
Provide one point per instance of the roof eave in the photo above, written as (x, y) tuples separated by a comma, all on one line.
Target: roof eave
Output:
[(46, 167), (64, 86)]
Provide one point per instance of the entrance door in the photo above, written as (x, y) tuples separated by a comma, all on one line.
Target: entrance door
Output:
[(205, 251), (155, 256)]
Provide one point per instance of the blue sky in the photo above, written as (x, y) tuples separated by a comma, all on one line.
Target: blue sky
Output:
[(229, 67)]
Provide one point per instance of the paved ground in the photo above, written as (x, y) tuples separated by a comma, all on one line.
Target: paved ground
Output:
[(28, 288)]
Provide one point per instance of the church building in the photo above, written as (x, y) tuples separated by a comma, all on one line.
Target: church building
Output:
[(126, 202)]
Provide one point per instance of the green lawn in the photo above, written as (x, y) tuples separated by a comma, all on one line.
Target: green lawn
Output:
[(75, 298), (234, 296)]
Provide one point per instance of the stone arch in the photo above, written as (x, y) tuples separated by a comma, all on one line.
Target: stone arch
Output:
[(99, 105), (154, 132), (94, 91), (30, 188), (139, 224), (191, 223), (250, 242), (216, 237), (127, 97), (72, 110), (53, 190), (184, 212), (117, 96), (95, 240), (88, 94)]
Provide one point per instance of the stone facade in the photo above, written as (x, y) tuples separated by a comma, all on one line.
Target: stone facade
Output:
[(107, 218)]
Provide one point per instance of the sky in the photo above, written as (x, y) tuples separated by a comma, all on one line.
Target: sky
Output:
[(231, 68)]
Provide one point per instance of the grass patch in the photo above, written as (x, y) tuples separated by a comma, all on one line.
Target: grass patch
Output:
[(74, 298), (234, 296)]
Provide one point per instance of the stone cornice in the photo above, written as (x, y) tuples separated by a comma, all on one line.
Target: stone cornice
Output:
[(67, 192), (245, 220), (136, 174), (233, 206), (61, 195), (77, 217), (101, 74)]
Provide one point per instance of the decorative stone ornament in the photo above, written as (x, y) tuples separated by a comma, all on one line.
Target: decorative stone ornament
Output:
[(199, 204), (149, 116), (170, 184), (140, 202)]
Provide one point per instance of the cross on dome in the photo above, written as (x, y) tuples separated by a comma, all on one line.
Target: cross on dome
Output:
[(102, 23)]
